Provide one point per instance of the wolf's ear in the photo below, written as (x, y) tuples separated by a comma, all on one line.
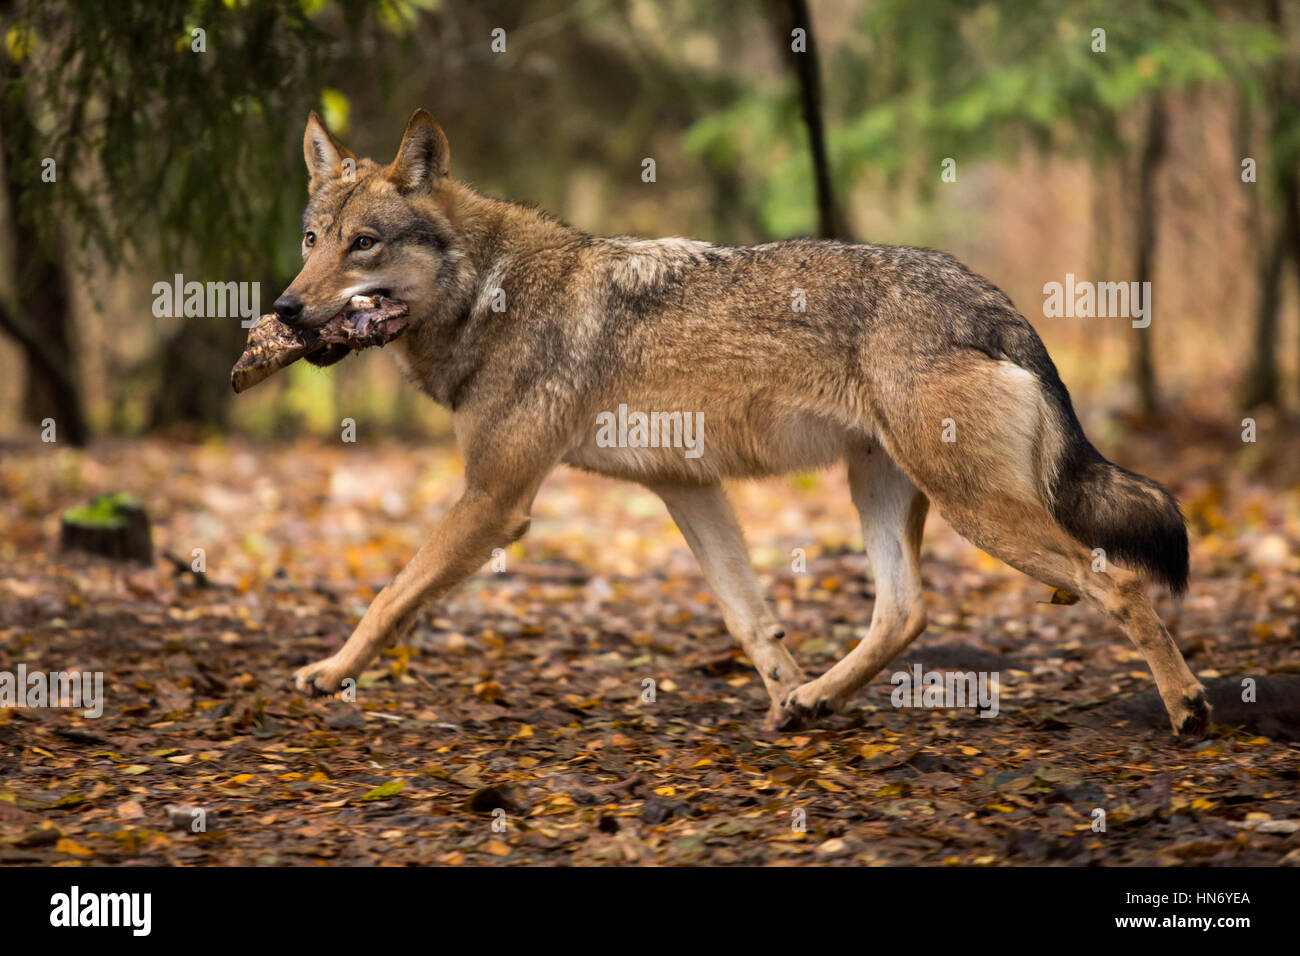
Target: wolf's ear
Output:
[(424, 157), (324, 154)]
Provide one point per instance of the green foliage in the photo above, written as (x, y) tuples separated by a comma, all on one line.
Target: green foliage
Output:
[(168, 142), (106, 511), (922, 80), (767, 142), (1007, 73)]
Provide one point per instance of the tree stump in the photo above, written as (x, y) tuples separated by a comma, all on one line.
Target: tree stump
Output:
[(115, 526)]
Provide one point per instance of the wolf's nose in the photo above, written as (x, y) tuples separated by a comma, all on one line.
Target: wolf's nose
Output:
[(288, 308)]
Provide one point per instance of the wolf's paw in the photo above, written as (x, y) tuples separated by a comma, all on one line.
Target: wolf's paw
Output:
[(1192, 721), (320, 679), (799, 708)]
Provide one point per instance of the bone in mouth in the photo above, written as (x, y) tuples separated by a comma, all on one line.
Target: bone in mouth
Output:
[(366, 322)]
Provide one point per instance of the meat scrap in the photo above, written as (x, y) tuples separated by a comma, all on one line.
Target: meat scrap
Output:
[(367, 321)]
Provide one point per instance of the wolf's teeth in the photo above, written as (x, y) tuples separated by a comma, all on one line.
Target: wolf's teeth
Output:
[(361, 303)]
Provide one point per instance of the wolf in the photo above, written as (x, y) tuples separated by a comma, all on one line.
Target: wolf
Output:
[(792, 355)]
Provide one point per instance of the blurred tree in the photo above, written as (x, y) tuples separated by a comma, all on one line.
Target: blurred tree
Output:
[(1029, 71), (158, 118), (795, 39), (37, 315), (175, 157), (932, 79), (1281, 183), (1154, 147)]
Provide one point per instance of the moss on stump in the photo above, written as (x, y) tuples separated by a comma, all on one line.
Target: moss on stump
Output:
[(115, 526)]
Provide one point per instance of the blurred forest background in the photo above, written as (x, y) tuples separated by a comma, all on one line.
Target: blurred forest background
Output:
[(1124, 165), (130, 156)]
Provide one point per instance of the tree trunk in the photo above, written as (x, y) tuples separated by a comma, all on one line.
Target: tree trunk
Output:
[(39, 317), (1291, 220), (1290, 231), (1153, 152), (196, 362), (1262, 384), (788, 16)]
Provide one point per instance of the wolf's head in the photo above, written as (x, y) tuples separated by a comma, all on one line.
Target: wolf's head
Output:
[(373, 229)]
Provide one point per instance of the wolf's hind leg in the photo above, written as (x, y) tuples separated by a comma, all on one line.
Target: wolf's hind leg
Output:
[(709, 526), (893, 518), (1026, 537), (989, 477)]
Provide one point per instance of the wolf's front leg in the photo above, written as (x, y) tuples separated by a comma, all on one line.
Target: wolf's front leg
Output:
[(463, 541)]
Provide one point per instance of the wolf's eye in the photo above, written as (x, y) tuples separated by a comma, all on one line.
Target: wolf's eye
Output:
[(309, 239), (363, 243)]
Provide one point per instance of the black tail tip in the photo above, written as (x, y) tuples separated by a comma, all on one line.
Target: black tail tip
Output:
[(1155, 542), (1176, 571), (1133, 519)]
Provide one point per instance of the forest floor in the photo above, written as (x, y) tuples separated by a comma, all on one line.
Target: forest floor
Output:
[(512, 726)]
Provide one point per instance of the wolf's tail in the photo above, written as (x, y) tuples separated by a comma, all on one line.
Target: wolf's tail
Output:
[(1134, 519)]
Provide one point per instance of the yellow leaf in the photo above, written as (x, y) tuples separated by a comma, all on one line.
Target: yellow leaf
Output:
[(71, 846), (18, 42), (873, 750), (390, 789), (336, 110)]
